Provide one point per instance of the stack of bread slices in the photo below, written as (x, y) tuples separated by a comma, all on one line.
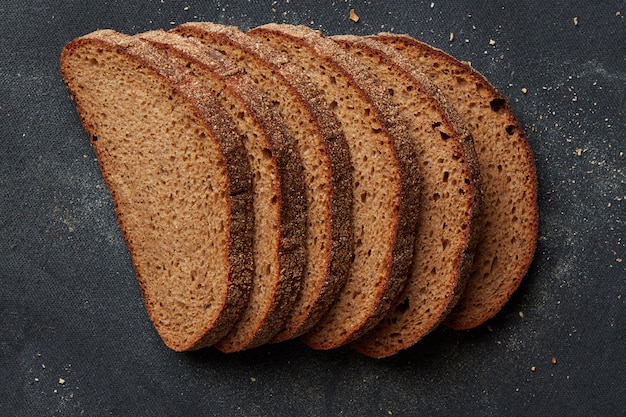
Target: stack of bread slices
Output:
[(281, 184)]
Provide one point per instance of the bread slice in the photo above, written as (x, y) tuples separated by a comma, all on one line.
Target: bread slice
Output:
[(449, 204), (279, 201), (510, 221), (386, 181), (180, 181), (325, 157)]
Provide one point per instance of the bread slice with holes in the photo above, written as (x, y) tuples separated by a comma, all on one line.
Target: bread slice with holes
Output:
[(180, 180), (386, 181), (509, 223), (449, 205), (279, 200), (326, 160)]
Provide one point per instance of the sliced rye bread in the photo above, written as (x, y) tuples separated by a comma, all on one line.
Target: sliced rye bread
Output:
[(509, 223), (325, 157), (180, 182), (386, 181), (449, 205), (279, 201)]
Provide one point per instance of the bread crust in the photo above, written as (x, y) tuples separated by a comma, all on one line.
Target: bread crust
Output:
[(233, 158), (329, 54), (289, 186), (416, 312), (329, 141), (498, 271)]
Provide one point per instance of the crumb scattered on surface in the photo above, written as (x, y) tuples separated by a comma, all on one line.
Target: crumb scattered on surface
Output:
[(533, 368), (451, 36), (553, 360), (61, 381), (575, 21), (353, 16), (492, 42), (524, 90)]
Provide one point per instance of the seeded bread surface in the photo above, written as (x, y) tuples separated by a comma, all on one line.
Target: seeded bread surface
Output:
[(386, 182), (326, 161), (180, 182), (509, 223)]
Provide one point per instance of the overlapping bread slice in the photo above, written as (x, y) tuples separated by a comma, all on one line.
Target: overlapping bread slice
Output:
[(325, 157), (449, 204), (180, 180), (509, 222), (279, 201), (386, 181)]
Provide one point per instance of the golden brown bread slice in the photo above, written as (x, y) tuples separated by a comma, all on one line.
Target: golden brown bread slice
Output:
[(180, 181), (279, 202), (325, 157), (449, 205), (509, 222), (386, 181)]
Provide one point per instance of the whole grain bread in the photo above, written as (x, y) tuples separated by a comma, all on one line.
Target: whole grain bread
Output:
[(386, 181), (279, 201), (179, 178), (449, 205), (509, 223), (325, 157)]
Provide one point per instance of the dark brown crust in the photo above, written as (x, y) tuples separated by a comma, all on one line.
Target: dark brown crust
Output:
[(222, 129), (290, 188), (331, 54), (371, 343), (335, 149), (466, 315)]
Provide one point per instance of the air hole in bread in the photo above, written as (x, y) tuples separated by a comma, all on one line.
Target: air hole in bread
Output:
[(446, 175), (497, 104), (510, 129), (444, 135)]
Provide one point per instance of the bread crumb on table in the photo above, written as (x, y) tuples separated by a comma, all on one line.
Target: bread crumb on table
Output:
[(575, 19), (353, 16)]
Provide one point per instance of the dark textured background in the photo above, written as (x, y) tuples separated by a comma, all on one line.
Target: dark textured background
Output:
[(70, 307)]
